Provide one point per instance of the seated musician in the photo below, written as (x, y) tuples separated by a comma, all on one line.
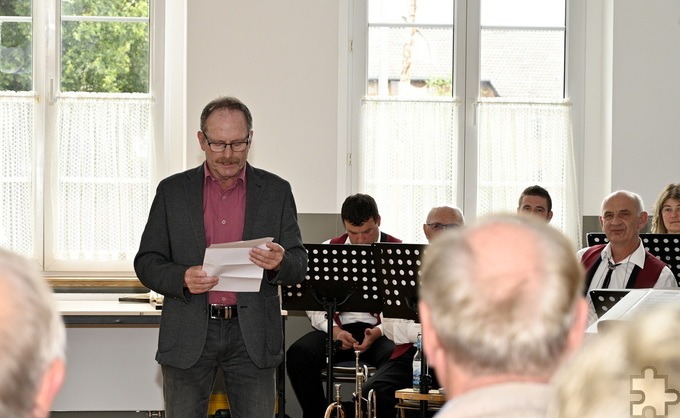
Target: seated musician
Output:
[(306, 358), (397, 373), (623, 263)]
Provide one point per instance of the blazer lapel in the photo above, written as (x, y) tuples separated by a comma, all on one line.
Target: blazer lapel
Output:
[(193, 188), (254, 187)]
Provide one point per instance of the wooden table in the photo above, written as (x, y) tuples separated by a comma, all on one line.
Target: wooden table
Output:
[(409, 400)]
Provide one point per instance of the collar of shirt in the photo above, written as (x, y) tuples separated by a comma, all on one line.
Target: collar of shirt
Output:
[(637, 257), (209, 177)]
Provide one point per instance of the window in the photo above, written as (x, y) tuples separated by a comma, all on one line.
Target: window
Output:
[(76, 130), (464, 102)]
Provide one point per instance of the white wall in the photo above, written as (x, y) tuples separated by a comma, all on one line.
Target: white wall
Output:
[(632, 108), (646, 96), (281, 59)]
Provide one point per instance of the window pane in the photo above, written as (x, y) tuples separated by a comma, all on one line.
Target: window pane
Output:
[(119, 8), (407, 160), (105, 46), (535, 13), (15, 7), (16, 174), (410, 61), (408, 114), (104, 156), (105, 57), (522, 63), (414, 11), (522, 49), (16, 46)]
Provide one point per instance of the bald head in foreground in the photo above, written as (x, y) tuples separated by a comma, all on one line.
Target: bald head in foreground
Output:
[(501, 307), (32, 340)]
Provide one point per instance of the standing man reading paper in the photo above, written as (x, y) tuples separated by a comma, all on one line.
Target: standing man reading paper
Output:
[(225, 199)]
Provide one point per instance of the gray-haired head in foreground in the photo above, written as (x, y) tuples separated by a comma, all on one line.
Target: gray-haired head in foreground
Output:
[(502, 294), (32, 334)]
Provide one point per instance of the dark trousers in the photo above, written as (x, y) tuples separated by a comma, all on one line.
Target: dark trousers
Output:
[(306, 359), (251, 390)]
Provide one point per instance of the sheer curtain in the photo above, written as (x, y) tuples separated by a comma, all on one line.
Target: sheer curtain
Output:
[(102, 165), (407, 158), (522, 144), (17, 172), (409, 151)]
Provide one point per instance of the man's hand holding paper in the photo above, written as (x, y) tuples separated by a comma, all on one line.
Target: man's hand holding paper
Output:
[(269, 257), (239, 265)]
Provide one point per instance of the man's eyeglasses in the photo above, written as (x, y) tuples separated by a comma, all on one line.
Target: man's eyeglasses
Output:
[(237, 146), (438, 227)]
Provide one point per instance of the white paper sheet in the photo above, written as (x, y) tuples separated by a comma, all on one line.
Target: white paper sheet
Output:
[(636, 301), (229, 262)]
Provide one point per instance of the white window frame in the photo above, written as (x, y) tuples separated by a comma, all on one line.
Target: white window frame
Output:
[(167, 87), (466, 84)]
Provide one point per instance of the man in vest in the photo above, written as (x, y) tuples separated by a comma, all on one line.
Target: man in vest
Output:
[(623, 263), (362, 331)]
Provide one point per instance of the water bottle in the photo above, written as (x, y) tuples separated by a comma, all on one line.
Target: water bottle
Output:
[(417, 360)]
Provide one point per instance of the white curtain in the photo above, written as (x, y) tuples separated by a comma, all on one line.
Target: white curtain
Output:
[(407, 159), (522, 144), (102, 166), (17, 171), (409, 151)]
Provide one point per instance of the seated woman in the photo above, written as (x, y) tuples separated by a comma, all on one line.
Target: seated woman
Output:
[(667, 211)]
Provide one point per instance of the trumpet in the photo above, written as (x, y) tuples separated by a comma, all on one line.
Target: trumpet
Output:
[(335, 407), (360, 377)]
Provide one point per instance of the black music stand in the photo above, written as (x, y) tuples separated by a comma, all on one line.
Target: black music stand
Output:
[(665, 247), (340, 278), (398, 268), (605, 299)]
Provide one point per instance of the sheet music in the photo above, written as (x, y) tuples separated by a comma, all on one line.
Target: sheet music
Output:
[(636, 301)]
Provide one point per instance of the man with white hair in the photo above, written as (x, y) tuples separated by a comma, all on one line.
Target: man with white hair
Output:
[(32, 340), (623, 263), (501, 307)]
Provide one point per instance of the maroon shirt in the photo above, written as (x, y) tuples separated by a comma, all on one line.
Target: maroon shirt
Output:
[(224, 213)]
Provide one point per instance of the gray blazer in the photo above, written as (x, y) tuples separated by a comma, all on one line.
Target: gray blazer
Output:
[(174, 240)]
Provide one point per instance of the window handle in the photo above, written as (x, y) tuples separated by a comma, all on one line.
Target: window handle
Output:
[(50, 94)]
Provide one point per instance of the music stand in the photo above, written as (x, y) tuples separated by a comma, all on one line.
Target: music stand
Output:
[(398, 268), (340, 278), (604, 299), (665, 247)]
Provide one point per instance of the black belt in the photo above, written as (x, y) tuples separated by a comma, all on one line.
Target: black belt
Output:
[(216, 311)]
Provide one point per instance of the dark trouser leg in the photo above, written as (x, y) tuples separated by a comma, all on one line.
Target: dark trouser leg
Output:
[(305, 359)]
